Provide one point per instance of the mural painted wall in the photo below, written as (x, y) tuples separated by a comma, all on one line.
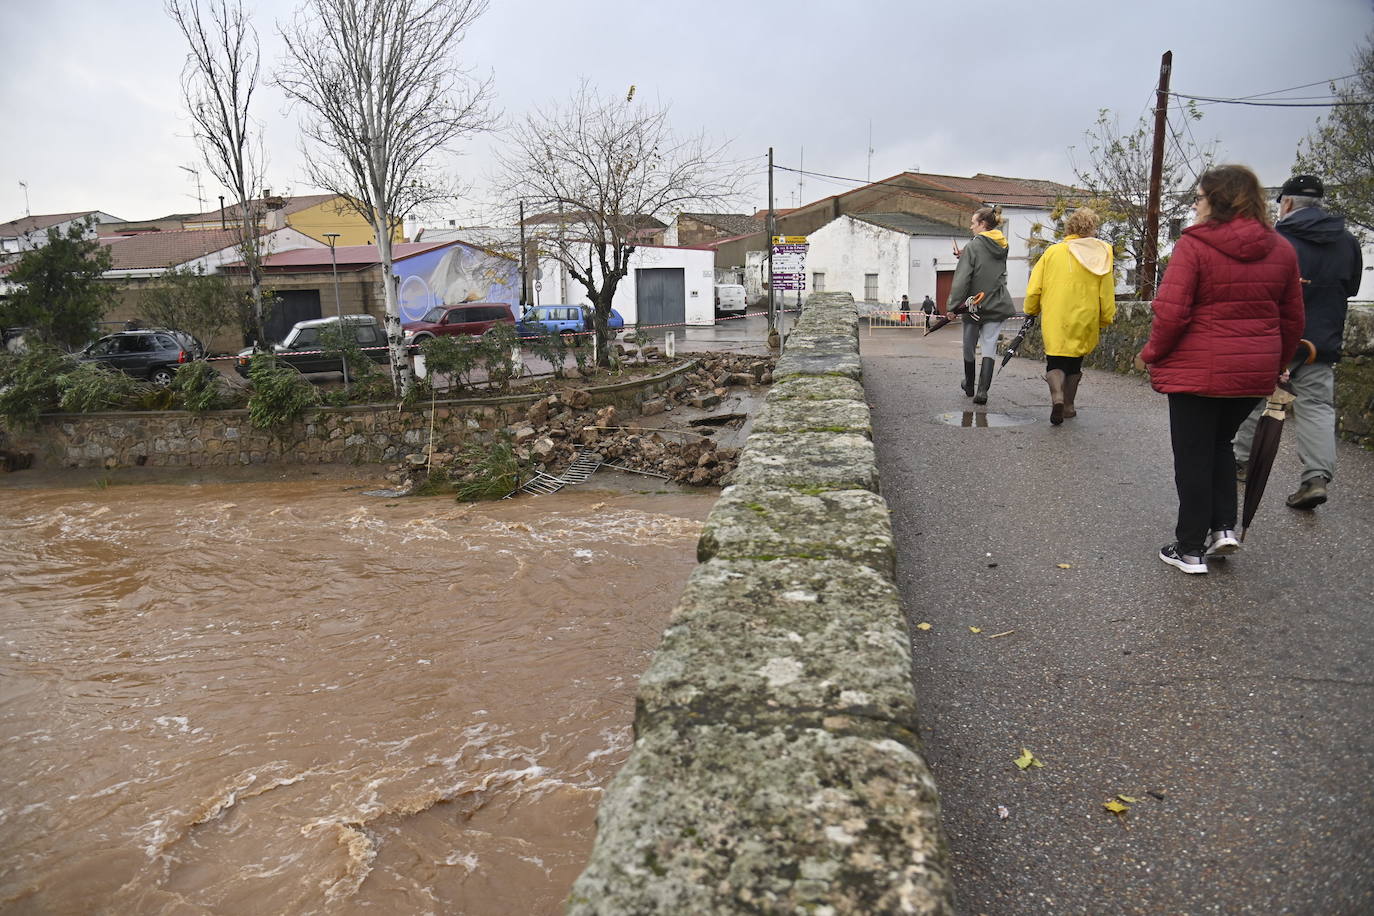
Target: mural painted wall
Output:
[(455, 274)]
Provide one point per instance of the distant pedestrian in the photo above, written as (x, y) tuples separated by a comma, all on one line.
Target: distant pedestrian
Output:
[(1331, 264), (928, 308), (905, 309), (982, 269), (1227, 318), (1073, 289)]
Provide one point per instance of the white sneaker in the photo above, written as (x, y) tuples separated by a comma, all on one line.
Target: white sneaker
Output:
[(1191, 563), (1221, 543)]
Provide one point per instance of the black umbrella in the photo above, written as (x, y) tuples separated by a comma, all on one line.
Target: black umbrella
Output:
[(966, 306), (1016, 341), (1265, 444)]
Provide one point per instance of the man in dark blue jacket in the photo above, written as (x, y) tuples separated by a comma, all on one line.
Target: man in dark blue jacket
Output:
[(1330, 261)]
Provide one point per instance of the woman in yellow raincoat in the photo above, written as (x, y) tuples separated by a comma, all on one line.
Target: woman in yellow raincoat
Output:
[(1072, 288)]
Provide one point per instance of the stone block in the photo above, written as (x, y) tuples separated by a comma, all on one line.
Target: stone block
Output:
[(653, 406), (782, 641), (825, 461), (752, 521), (714, 819), (816, 388), (828, 360), (840, 416)]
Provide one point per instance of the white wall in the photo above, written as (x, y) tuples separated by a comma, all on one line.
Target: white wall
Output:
[(845, 249), (698, 273), (1366, 293)]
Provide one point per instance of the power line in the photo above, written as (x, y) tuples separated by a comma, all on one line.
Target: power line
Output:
[(1272, 104)]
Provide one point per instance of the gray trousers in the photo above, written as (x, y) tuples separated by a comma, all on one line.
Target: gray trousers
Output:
[(985, 334), (1313, 423)]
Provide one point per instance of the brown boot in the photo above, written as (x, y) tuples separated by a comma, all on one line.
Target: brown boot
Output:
[(1071, 389), (1056, 379)]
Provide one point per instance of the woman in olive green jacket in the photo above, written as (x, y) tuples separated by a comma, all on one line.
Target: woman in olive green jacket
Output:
[(982, 269), (1072, 290)]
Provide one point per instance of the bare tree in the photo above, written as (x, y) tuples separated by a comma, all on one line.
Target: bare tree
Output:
[(218, 81), (601, 169), (1117, 177), (384, 94), (1340, 149)]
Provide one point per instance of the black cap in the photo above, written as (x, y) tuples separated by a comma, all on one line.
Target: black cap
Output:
[(1302, 186)]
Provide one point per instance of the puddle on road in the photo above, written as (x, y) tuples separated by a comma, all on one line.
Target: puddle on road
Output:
[(977, 419)]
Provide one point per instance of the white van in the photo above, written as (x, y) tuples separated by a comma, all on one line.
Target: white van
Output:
[(730, 299)]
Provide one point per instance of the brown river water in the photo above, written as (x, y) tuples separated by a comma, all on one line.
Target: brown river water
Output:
[(294, 698)]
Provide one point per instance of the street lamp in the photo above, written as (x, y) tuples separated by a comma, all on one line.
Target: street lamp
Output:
[(338, 309)]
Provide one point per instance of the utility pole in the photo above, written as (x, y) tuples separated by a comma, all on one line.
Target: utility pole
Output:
[(1149, 249), (772, 227), (333, 237), (524, 272)]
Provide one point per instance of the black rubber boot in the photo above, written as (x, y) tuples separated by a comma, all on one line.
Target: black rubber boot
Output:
[(984, 380), (968, 378)]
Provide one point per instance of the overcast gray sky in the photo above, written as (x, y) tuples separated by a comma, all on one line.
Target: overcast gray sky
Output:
[(93, 116)]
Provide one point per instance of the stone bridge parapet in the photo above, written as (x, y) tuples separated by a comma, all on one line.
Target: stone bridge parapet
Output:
[(777, 765)]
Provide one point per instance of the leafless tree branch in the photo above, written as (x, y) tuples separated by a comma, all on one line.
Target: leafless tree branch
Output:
[(383, 94)]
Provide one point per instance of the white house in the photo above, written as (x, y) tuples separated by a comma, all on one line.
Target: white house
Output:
[(30, 232), (879, 257), (665, 287)]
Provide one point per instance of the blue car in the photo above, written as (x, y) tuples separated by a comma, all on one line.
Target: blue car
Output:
[(562, 319)]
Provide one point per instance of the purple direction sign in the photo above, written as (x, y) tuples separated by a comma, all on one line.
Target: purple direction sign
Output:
[(789, 265)]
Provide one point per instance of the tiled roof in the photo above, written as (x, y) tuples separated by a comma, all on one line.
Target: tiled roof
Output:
[(17, 227), (152, 250), (348, 257), (911, 224), (1025, 192), (292, 205), (730, 223)]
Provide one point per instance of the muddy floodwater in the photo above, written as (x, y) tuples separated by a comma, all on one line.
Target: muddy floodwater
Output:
[(293, 698)]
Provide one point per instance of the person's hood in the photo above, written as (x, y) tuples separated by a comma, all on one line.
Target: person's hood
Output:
[(996, 243), (1242, 238), (1315, 225), (1094, 254)]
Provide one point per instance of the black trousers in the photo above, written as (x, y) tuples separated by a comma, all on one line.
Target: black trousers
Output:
[(1201, 429), (1071, 365)]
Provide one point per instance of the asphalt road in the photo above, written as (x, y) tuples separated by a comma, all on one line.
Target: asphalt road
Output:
[(1236, 708)]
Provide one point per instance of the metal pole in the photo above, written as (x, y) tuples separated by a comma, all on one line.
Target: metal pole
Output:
[(338, 308), (524, 271), (1149, 249), (772, 227)]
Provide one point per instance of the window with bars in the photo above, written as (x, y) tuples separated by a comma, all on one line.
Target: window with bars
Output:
[(818, 282), (871, 287)]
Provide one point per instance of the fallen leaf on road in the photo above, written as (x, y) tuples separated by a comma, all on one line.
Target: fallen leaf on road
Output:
[(923, 626), (1003, 633), (1002, 812), (975, 629), (1064, 565), (1027, 759), (1115, 807), (1127, 799)]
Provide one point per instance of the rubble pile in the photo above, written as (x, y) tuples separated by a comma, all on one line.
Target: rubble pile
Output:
[(556, 427)]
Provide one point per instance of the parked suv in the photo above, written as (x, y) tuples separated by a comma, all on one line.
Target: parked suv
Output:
[(304, 349), (474, 318), (147, 354), (562, 319)]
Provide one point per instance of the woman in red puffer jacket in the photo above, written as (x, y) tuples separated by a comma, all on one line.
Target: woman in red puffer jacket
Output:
[(1227, 319)]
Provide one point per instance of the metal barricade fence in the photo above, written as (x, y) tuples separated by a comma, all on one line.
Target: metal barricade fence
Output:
[(882, 321)]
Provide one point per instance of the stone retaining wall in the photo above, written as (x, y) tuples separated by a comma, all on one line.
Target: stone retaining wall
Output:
[(360, 435), (1354, 373), (776, 765)]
